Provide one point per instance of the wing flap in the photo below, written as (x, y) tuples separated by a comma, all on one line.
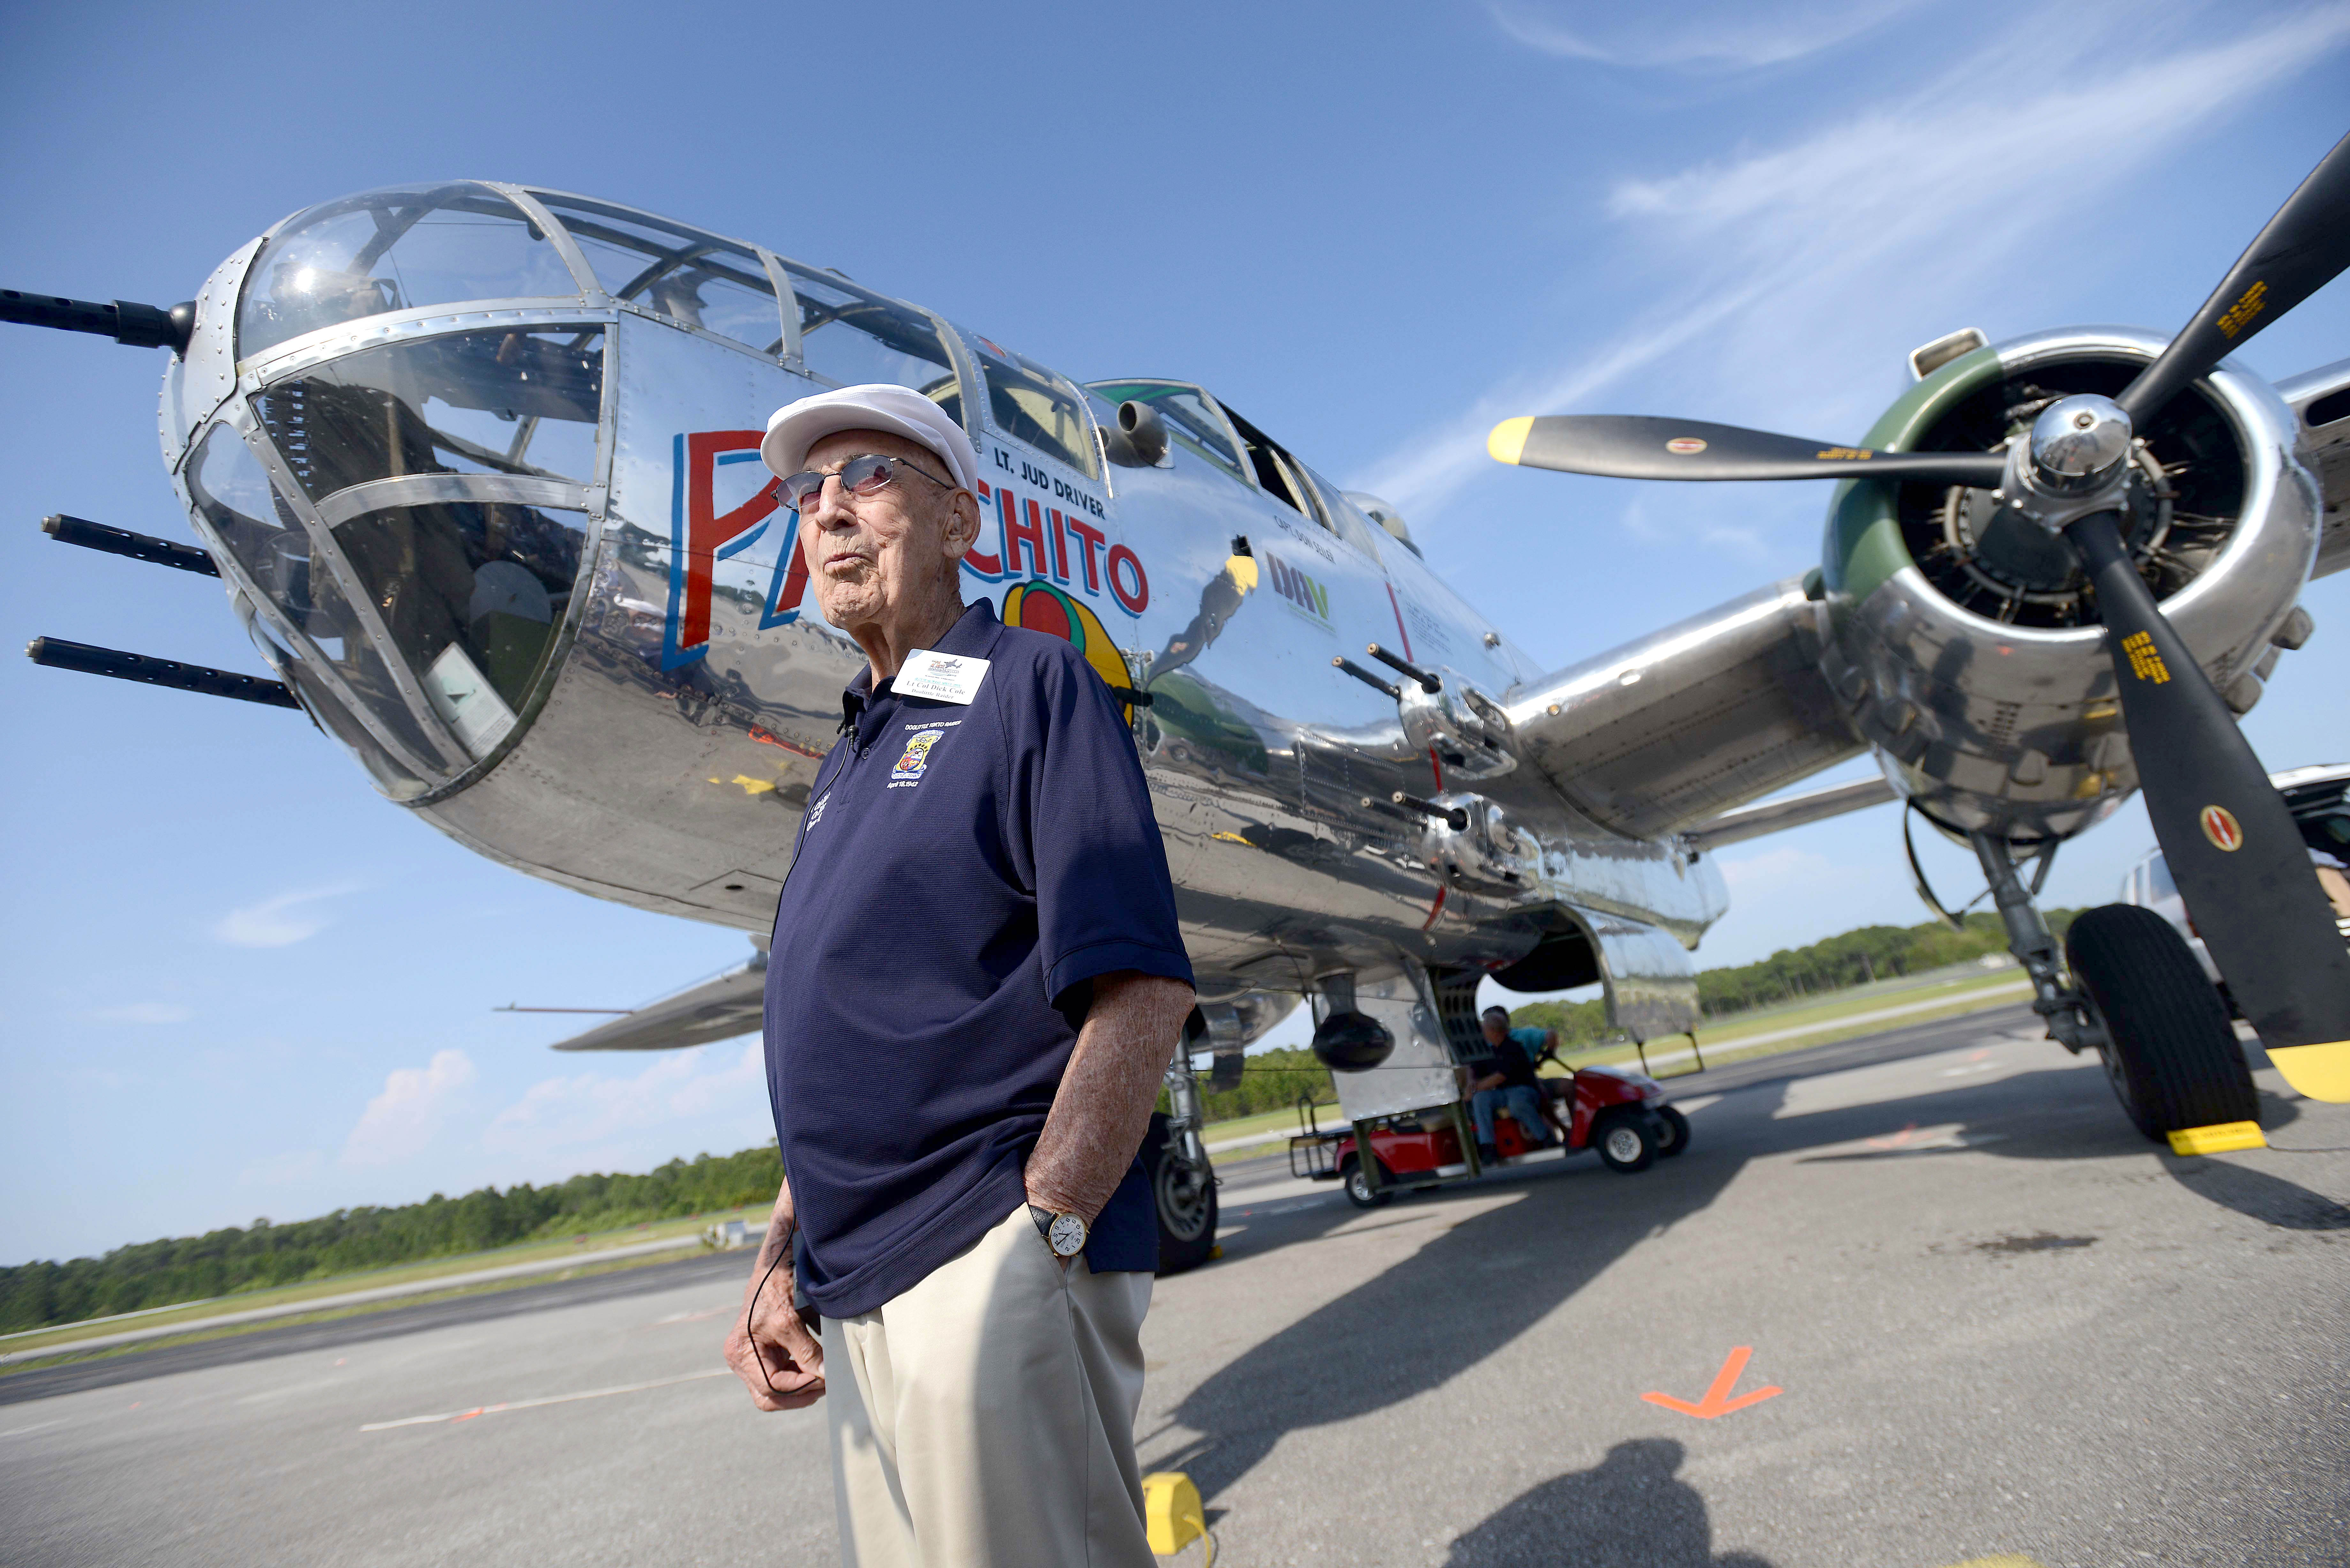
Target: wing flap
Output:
[(1689, 721), (719, 1008)]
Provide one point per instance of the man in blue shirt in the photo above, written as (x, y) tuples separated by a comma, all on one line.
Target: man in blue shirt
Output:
[(976, 983), (1511, 1082)]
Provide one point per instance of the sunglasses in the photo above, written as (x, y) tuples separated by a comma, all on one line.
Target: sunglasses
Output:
[(866, 474)]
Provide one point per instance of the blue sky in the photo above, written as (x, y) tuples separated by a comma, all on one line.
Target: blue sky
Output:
[(235, 982)]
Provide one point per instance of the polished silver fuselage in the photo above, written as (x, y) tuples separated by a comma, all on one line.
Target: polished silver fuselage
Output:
[(479, 463), (655, 765)]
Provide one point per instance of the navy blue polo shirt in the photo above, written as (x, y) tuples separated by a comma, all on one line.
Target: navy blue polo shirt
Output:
[(963, 874)]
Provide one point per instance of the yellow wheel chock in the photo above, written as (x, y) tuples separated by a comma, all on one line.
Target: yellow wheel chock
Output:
[(2218, 1138), (1172, 1514)]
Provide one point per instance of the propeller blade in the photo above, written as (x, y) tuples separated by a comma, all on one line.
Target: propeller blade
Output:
[(1633, 446), (2301, 249), (2230, 841)]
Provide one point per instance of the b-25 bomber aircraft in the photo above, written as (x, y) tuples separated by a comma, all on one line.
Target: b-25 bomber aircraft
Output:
[(477, 464)]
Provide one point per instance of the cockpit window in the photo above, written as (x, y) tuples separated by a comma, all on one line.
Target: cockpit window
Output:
[(851, 338), (471, 592), (1034, 406), (1190, 423), (1346, 519), (696, 279), (392, 250), (234, 498), (1275, 472), (510, 403)]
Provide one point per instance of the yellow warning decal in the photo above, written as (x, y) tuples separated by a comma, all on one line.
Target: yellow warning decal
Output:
[(2249, 304), (1508, 440), (1846, 453), (2144, 661), (2218, 1138), (2320, 1072)]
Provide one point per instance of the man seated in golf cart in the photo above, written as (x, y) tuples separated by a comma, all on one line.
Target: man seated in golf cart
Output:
[(1510, 1083)]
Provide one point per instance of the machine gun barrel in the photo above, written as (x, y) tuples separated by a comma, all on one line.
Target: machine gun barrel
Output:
[(89, 535), (1431, 684), (1394, 692), (138, 326), (1455, 816), (59, 654)]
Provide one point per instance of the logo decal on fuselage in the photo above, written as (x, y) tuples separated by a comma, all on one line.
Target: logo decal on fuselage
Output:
[(1040, 606), (1306, 593)]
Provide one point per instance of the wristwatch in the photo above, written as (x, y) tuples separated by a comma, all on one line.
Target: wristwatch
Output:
[(1064, 1233)]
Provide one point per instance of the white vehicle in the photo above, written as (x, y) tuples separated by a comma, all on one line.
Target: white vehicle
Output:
[(2319, 799)]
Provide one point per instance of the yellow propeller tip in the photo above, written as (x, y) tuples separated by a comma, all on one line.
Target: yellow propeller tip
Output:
[(1508, 441), (2317, 1072)]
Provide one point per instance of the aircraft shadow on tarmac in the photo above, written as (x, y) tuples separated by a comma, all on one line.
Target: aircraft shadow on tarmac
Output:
[(1631, 1509), (1401, 1333)]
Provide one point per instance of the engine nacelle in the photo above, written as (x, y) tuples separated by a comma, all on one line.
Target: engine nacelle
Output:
[(1963, 644)]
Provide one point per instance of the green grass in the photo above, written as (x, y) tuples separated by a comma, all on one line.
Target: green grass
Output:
[(1819, 1023), (336, 1284), (198, 1331)]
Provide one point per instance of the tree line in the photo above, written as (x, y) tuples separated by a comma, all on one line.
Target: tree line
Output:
[(261, 1255), (1857, 958)]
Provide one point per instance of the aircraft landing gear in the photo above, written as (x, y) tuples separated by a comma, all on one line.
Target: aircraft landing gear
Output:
[(2171, 1053), (1182, 1182), (2136, 995)]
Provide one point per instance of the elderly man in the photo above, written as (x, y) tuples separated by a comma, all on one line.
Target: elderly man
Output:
[(1512, 1085), (974, 985)]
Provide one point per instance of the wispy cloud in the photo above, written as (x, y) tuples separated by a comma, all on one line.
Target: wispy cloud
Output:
[(143, 1012), (1762, 254), (1739, 36), (281, 921), (402, 1120), (590, 1107)]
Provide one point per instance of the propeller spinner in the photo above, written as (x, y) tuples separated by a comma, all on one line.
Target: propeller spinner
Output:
[(2230, 841)]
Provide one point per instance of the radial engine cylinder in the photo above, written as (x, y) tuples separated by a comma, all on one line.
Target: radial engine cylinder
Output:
[(1964, 642)]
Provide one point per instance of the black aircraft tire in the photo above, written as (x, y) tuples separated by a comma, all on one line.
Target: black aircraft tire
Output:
[(1358, 1192), (2171, 1056), (1186, 1213), (1677, 1131), (1627, 1142)]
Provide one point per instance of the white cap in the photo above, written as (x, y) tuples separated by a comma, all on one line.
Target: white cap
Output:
[(879, 406)]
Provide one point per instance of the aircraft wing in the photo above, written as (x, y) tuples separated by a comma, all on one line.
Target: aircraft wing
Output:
[(1789, 811), (2322, 399), (717, 1009), (1683, 726)]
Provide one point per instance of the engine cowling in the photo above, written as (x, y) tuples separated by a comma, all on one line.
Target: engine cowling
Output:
[(1963, 643)]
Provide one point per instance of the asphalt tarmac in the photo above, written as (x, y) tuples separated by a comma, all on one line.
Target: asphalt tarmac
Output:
[(1995, 1318)]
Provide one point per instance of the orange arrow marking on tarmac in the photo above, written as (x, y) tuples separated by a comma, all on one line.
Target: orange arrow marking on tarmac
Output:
[(1717, 1400)]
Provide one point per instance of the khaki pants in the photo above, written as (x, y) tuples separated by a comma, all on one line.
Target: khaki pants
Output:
[(985, 1418)]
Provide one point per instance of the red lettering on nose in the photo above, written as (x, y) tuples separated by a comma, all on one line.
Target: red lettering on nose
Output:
[(1031, 533), (980, 560), (1123, 564), (1088, 538), (706, 534)]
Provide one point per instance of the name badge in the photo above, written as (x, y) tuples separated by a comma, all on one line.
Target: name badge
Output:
[(940, 677)]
